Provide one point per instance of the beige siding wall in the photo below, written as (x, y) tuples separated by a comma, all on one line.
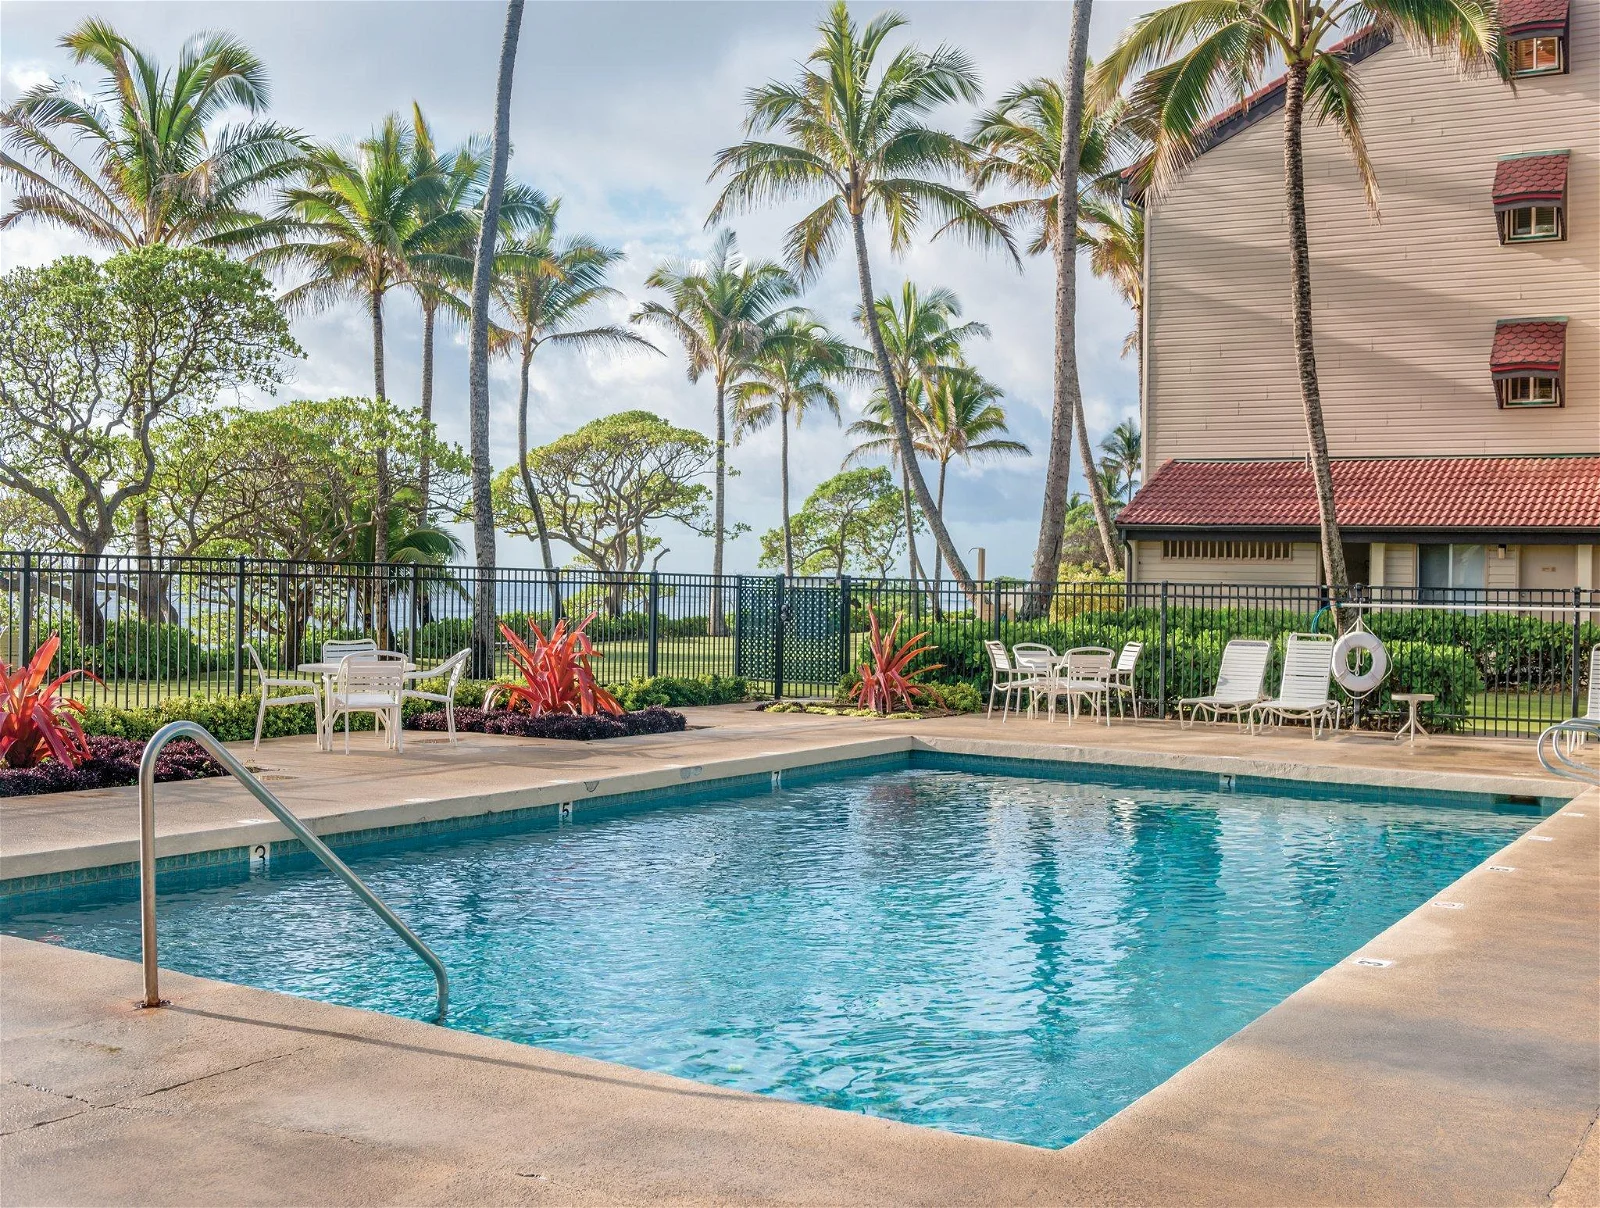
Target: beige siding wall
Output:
[(1399, 565), (1302, 567), (1405, 308), (1503, 572), (1550, 566)]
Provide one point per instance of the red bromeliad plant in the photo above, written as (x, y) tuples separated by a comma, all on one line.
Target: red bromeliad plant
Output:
[(556, 674), (886, 680), (34, 720)]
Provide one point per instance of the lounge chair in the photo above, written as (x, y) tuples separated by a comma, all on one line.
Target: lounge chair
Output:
[(1575, 739), (1304, 691), (1239, 680), (1006, 678)]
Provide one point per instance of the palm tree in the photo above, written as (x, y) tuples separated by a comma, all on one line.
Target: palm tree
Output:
[(1123, 448), (1115, 235), (546, 286), (794, 372), (963, 418), (357, 225), (483, 605), (722, 311), (856, 140), (1038, 138), (163, 171), (1114, 486), (920, 337), (1195, 52)]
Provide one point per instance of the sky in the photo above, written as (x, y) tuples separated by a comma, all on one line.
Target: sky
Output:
[(619, 108)]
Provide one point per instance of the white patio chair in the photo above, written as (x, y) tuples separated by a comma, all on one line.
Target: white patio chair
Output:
[(301, 696), (451, 669), (1576, 740), (1006, 678), (1239, 683), (1035, 660), (368, 685), (332, 652), (1083, 673), (1304, 691), (1119, 680)]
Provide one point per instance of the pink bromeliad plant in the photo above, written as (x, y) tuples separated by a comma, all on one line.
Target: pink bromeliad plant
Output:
[(886, 681), (556, 673), (35, 719)]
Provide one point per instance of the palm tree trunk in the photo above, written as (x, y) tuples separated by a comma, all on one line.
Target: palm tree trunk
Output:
[(1097, 495), (937, 556), (715, 621), (913, 562), (425, 469), (1304, 351), (783, 477), (483, 602), (380, 500), (1068, 394), (534, 505), (902, 424)]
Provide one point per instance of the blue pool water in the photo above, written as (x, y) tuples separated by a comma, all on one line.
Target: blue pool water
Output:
[(998, 955)]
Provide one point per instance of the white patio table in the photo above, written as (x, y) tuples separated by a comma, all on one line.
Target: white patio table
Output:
[(328, 669)]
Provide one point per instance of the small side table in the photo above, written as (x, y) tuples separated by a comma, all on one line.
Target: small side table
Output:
[(1412, 727)]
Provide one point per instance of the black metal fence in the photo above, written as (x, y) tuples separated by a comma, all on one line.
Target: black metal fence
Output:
[(1500, 662)]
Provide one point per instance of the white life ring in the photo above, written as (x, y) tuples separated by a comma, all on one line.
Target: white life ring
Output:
[(1344, 666)]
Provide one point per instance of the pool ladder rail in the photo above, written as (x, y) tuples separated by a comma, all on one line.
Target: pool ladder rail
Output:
[(147, 856), (1560, 763)]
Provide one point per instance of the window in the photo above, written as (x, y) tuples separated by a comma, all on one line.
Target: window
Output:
[(1451, 573), (1530, 390), (1535, 56), (1528, 223), (1237, 551)]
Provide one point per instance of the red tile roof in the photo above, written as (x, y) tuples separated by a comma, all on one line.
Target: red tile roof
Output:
[(1424, 493), (1523, 345), (1520, 179), (1529, 16)]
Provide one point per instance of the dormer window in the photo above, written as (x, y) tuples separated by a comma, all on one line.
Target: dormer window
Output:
[(1528, 362), (1537, 32), (1535, 56), (1530, 196)]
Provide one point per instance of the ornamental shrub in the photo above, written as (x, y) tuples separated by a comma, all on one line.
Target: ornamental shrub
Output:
[(135, 649), (573, 727), (112, 762)]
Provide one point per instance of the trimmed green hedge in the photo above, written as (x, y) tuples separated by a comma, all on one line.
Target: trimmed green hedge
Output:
[(233, 718)]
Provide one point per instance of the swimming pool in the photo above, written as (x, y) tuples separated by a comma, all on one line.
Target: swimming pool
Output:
[(1013, 956)]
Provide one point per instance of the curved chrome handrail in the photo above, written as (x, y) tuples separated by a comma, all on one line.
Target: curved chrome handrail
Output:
[(1564, 765), (147, 855)]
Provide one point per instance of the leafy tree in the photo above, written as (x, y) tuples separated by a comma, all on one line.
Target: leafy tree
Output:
[(851, 522), (603, 486), (1194, 54), (795, 372), (721, 310), (1040, 138), (1123, 448), (483, 536), (94, 356), (856, 140), (163, 170), (547, 287)]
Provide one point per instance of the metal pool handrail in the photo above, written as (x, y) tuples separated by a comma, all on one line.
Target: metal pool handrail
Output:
[(147, 855), (1557, 762)]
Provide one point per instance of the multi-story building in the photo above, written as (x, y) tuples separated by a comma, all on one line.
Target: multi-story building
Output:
[(1457, 337)]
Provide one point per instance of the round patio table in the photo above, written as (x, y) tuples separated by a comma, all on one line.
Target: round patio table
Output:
[(1413, 727), (328, 669)]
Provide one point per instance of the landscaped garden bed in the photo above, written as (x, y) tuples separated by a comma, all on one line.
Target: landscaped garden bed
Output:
[(111, 762), (575, 727)]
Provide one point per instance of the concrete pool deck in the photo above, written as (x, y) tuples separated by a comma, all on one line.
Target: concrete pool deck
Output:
[(1467, 1071)]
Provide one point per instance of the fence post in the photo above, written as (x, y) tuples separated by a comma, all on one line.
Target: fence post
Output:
[(996, 590), (738, 623), (653, 633), (1577, 648), (27, 607), (777, 641), (411, 616), (1161, 663), (238, 629), (844, 626)]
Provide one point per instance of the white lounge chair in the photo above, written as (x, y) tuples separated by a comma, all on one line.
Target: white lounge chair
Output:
[(1304, 691), (451, 669), (1083, 673), (1119, 680), (306, 693), (368, 685), (1574, 739), (1239, 681), (1006, 678)]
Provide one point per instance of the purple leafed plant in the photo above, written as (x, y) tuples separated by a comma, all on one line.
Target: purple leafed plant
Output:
[(111, 762)]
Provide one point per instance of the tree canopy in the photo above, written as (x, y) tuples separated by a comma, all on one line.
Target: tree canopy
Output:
[(853, 522)]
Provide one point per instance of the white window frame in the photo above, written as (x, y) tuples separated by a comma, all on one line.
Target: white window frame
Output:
[(1535, 233), (1558, 55), (1524, 390)]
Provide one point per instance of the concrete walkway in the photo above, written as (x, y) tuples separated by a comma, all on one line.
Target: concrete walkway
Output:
[(1465, 1072)]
